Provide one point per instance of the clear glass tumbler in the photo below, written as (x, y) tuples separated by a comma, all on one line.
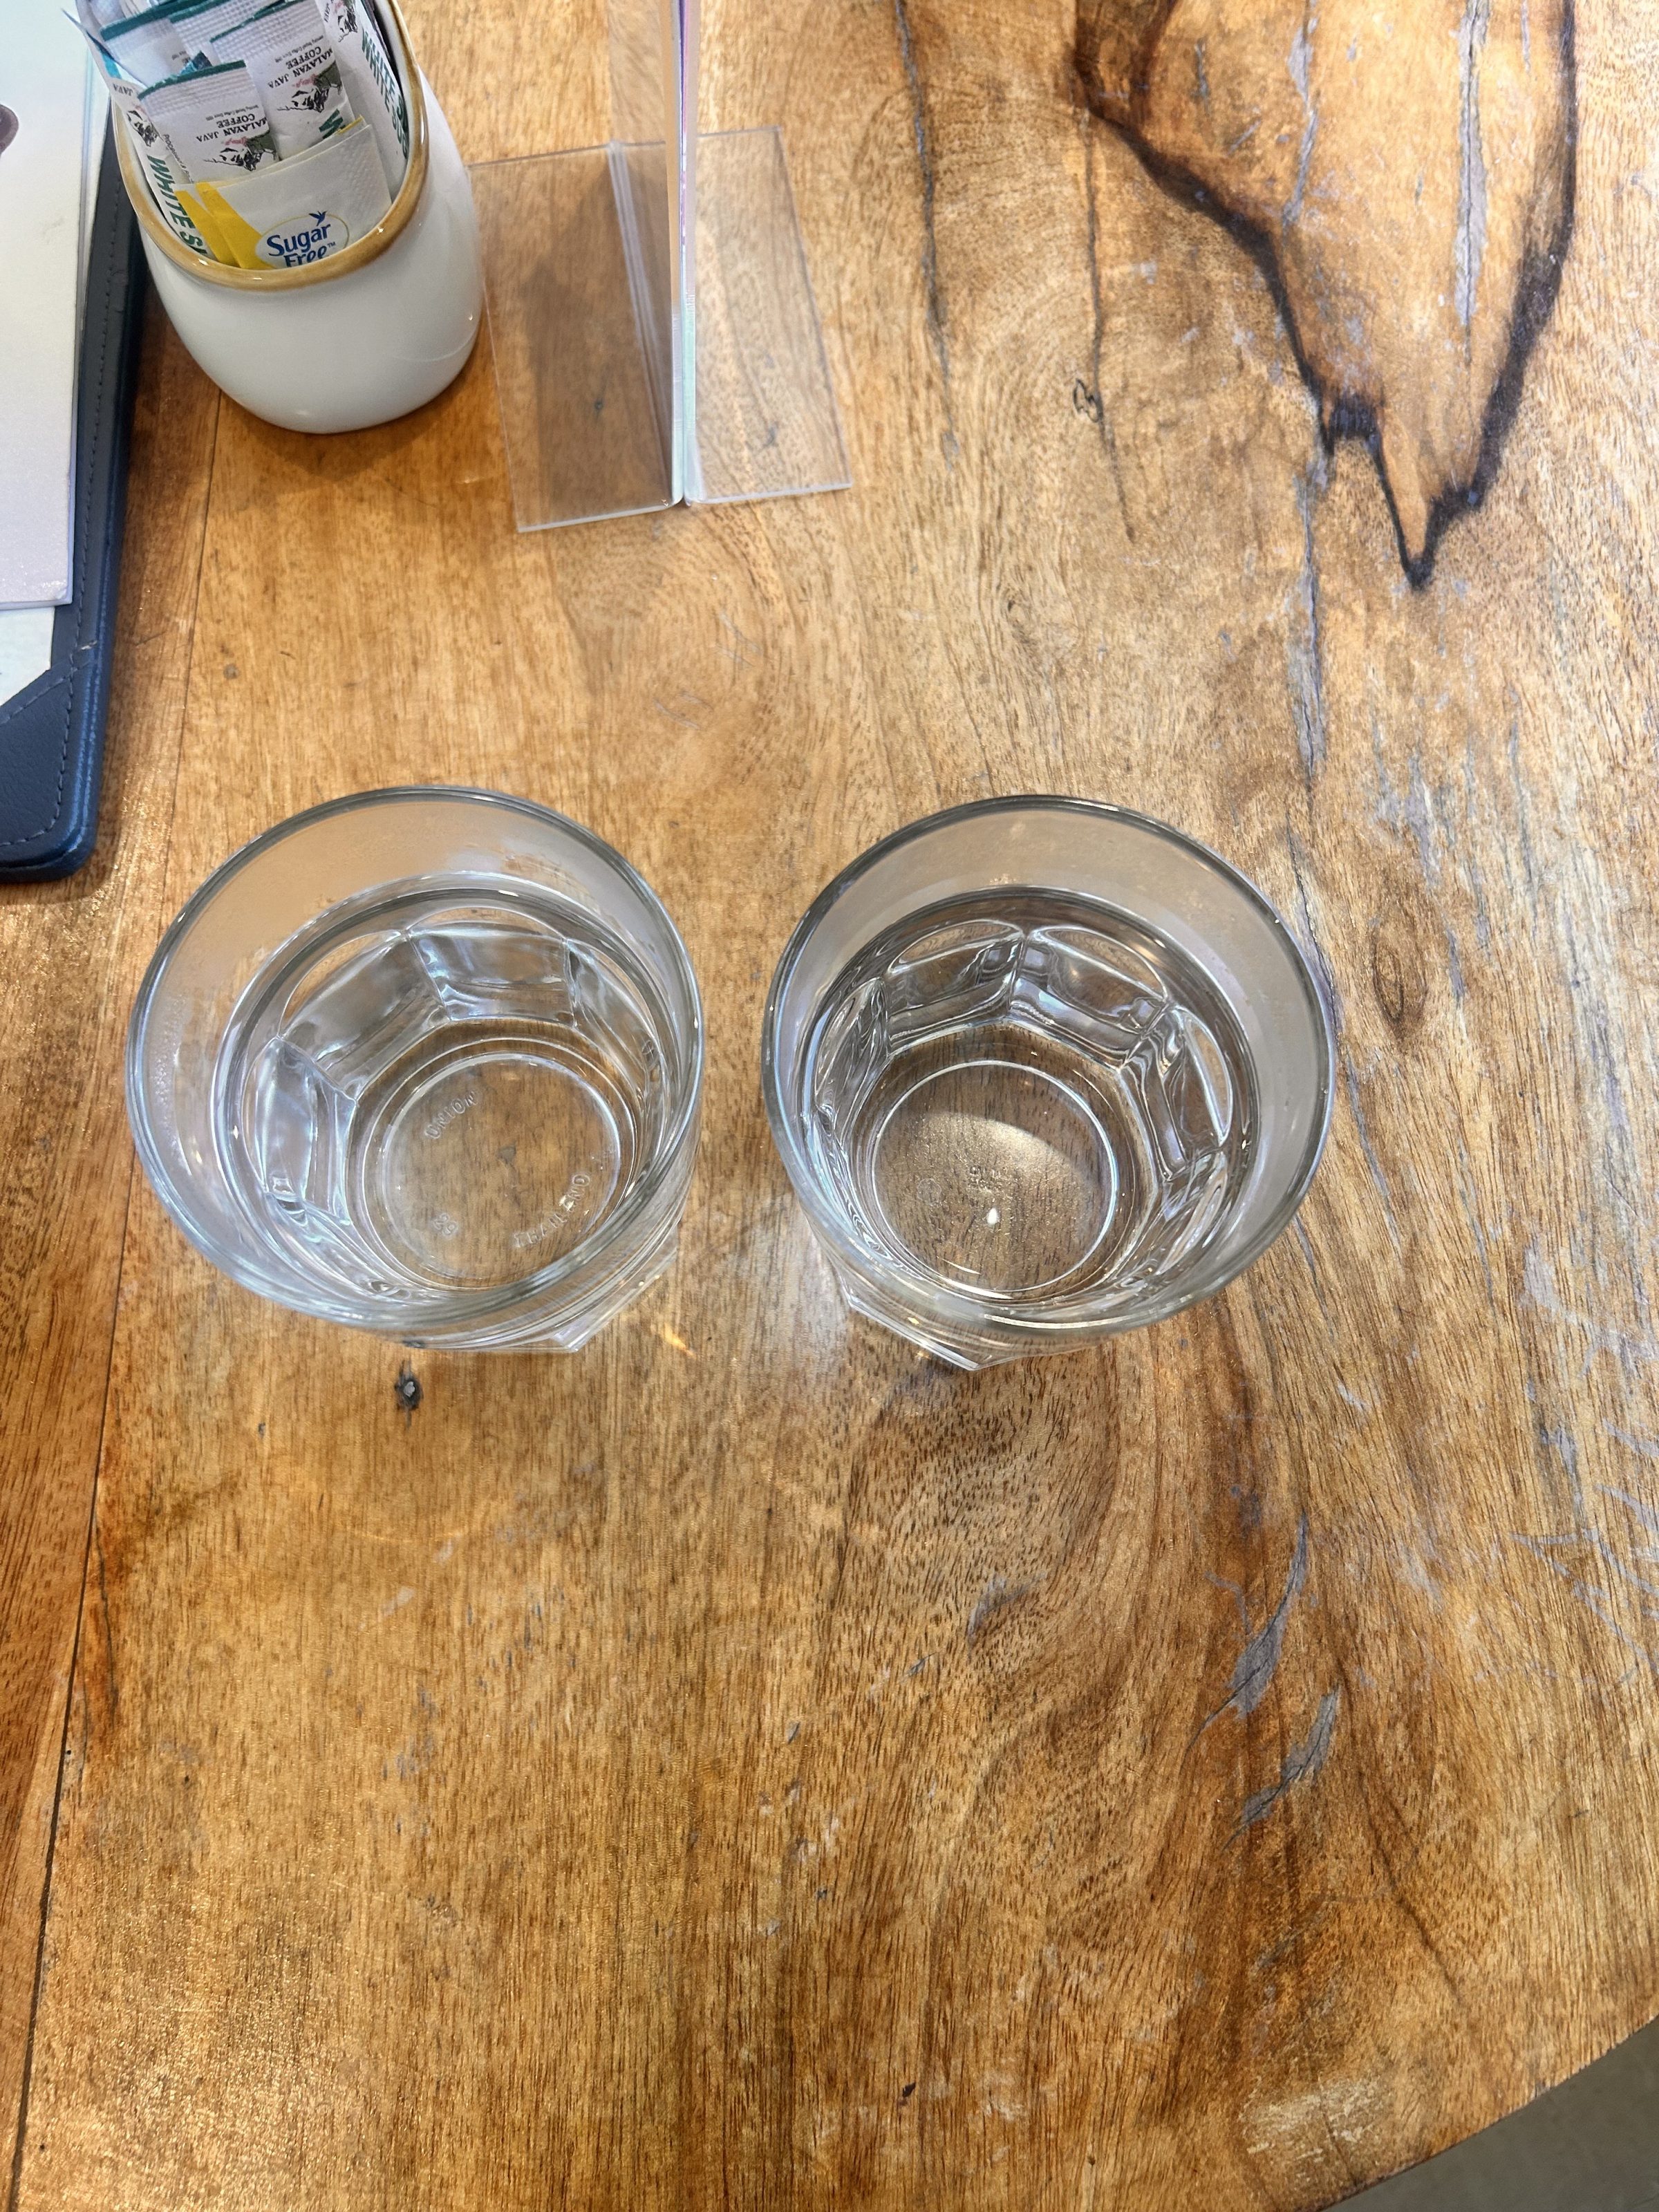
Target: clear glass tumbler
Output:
[(1040, 1070), (427, 1062)]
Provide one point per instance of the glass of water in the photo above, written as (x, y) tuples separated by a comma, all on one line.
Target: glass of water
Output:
[(427, 1062), (1040, 1070)]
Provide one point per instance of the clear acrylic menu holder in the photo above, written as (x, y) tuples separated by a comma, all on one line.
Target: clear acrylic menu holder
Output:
[(653, 322)]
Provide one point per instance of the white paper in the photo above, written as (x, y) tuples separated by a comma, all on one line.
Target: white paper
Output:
[(25, 647), (92, 127), (43, 80)]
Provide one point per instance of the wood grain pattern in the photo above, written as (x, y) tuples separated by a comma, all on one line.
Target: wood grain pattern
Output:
[(746, 1766), (72, 954), (1407, 177)]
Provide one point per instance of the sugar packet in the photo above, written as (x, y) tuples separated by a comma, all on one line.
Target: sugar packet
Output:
[(371, 81), (303, 209), (95, 14), (195, 199), (167, 176), (146, 48), (215, 119), (294, 64), (200, 21)]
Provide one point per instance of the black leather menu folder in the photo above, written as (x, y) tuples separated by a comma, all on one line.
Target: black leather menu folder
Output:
[(52, 733)]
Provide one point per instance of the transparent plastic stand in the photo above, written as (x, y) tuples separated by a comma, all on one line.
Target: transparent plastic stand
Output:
[(653, 322)]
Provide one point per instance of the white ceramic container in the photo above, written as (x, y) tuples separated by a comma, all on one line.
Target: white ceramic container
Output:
[(360, 338)]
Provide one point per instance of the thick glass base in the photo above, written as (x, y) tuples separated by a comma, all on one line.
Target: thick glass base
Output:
[(574, 1325)]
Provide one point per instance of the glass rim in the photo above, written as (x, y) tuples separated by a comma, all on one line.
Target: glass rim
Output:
[(954, 1308), (459, 1309)]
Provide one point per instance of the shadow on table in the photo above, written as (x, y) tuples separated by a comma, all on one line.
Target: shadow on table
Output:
[(1591, 2145)]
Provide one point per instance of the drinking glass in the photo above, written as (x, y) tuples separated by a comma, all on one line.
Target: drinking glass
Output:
[(1040, 1070), (427, 1062)]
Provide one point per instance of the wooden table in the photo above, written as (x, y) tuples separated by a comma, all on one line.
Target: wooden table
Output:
[(746, 1765)]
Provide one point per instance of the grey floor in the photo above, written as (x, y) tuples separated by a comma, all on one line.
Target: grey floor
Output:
[(1591, 2145)]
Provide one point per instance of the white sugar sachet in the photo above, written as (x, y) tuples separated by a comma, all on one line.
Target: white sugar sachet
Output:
[(305, 209), (214, 119), (294, 64), (156, 157), (370, 81), (146, 48)]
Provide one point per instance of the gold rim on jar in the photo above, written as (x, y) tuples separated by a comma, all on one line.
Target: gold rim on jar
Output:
[(360, 252)]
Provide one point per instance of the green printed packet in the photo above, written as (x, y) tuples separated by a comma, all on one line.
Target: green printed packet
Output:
[(294, 64), (166, 173), (146, 48), (371, 81), (215, 119), (200, 21), (96, 17)]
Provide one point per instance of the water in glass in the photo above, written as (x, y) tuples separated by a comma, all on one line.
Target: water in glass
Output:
[(1029, 1096), (444, 1090)]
